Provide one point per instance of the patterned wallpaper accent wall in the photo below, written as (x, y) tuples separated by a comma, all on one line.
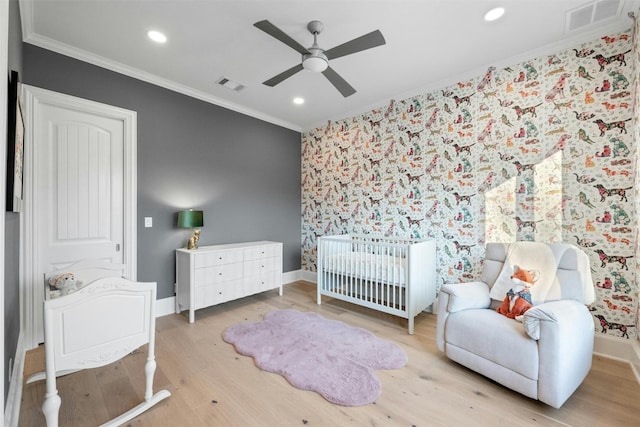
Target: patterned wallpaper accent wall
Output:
[(636, 154), (542, 150)]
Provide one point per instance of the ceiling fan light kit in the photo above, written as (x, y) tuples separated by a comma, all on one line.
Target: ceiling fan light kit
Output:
[(317, 59), (315, 63)]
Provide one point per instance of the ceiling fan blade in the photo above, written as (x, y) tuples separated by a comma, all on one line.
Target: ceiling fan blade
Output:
[(284, 75), (277, 33), (341, 84), (373, 39)]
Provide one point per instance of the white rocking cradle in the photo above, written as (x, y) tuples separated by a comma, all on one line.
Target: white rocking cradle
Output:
[(94, 326)]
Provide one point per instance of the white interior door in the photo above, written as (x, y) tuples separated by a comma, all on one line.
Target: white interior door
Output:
[(80, 213), (78, 202)]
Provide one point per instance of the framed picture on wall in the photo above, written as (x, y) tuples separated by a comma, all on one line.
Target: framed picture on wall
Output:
[(15, 145)]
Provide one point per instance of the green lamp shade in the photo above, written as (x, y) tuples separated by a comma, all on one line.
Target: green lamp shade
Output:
[(189, 219)]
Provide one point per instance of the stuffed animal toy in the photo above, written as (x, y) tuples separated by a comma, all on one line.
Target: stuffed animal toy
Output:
[(65, 283), (518, 299)]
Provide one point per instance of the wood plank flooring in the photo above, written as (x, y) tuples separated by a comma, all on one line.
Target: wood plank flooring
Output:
[(212, 385)]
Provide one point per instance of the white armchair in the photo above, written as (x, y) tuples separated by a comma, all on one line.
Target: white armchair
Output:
[(548, 355)]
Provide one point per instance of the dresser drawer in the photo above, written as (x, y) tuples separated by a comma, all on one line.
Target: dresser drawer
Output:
[(218, 274), (257, 252), (263, 282), (218, 293), (210, 259), (259, 266)]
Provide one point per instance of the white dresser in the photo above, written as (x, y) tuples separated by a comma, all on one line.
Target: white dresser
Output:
[(212, 275)]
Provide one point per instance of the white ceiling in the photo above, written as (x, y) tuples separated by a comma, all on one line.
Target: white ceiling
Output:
[(429, 44)]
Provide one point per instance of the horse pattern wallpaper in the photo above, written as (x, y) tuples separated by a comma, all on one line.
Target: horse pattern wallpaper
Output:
[(542, 150)]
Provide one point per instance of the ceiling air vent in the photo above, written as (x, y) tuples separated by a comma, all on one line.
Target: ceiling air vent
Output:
[(592, 13), (230, 84)]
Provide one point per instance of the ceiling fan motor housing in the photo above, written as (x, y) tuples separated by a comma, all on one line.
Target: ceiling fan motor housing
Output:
[(315, 60)]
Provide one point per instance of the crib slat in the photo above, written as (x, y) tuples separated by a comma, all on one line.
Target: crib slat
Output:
[(394, 279), (376, 278)]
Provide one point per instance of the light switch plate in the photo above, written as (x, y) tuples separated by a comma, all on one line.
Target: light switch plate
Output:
[(148, 221)]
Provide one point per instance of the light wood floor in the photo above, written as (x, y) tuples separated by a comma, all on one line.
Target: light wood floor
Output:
[(212, 385)]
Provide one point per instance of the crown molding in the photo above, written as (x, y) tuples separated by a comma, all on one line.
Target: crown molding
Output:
[(584, 37), (29, 36)]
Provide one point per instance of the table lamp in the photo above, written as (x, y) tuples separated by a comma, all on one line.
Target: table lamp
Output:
[(191, 219)]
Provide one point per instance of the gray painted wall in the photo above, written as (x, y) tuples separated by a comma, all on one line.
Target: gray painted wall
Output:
[(243, 172), (12, 224)]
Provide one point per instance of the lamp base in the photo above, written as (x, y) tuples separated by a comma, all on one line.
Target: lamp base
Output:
[(193, 240)]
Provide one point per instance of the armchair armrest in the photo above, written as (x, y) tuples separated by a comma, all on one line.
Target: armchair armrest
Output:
[(458, 297), (555, 314), (465, 296), (565, 331)]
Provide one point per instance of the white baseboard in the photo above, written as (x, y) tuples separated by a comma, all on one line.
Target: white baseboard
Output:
[(634, 360), (294, 276), (612, 347), (619, 349), (165, 306), (309, 276), (14, 396), (290, 276)]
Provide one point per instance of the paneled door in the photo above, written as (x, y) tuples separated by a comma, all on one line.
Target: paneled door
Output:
[(78, 201), (79, 197)]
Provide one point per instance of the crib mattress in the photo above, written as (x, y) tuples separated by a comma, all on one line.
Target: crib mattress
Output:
[(367, 266)]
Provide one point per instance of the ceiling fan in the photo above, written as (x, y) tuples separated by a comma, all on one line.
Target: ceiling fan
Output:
[(317, 59)]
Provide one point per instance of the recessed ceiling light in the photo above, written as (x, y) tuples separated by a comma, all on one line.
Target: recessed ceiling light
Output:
[(494, 14), (157, 36), (298, 101)]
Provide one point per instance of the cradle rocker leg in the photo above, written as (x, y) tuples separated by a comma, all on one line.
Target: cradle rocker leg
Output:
[(150, 399), (38, 376), (149, 370), (134, 412), (51, 407), (52, 400)]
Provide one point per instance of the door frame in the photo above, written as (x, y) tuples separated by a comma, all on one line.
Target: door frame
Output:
[(31, 281)]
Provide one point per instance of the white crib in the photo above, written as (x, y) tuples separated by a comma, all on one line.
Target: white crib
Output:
[(392, 275)]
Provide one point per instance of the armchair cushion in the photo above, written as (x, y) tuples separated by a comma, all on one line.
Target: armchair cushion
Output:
[(492, 336)]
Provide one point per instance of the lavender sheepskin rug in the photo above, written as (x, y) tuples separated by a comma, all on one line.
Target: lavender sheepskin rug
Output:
[(317, 354)]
